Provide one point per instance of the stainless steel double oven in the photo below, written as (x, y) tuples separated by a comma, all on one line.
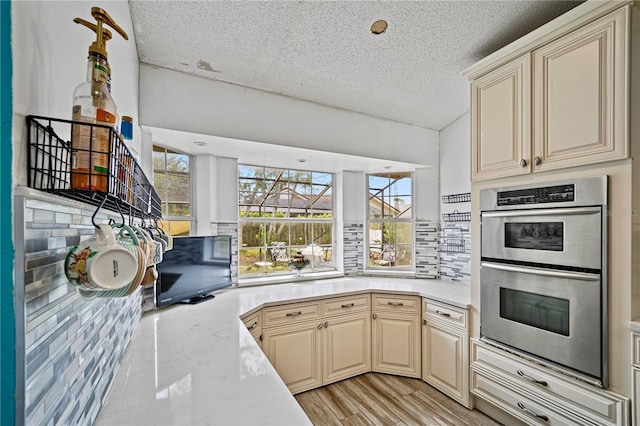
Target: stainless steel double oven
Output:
[(543, 274)]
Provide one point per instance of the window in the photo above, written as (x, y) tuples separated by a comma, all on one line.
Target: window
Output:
[(390, 236), (282, 212), (172, 181)]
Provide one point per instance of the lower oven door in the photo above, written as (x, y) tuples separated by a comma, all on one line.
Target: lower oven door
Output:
[(553, 315)]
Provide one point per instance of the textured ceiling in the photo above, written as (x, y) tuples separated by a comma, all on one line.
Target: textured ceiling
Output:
[(324, 51)]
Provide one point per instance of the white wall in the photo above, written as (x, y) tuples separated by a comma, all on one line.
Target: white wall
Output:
[(50, 60), (455, 160), (179, 101)]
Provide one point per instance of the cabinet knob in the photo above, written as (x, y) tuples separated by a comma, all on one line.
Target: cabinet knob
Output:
[(326, 324), (375, 316), (261, 337), (537, 161), (424, 322), (320, 326), (523, 163)]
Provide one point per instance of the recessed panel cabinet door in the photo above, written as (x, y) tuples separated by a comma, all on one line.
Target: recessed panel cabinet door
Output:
[(580, 95), (396, 344), (347, 347), (295, 352), (445, 358), (500, 121)]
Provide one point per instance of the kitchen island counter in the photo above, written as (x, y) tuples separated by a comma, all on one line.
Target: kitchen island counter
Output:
[(198, 364)]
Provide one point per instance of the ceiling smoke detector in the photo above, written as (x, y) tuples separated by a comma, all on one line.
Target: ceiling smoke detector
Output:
[(379, 27)]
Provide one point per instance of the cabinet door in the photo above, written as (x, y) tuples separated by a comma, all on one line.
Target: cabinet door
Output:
[(295, 352), (580, 95), (347, 347), (445, 360), (500, 121), (395, 343)]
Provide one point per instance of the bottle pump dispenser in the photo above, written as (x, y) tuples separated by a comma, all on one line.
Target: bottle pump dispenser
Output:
[(92, 103)]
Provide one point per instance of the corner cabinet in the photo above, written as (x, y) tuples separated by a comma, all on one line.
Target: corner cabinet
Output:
[(578, 87), (396, 334), (445, 350), (316, 343)]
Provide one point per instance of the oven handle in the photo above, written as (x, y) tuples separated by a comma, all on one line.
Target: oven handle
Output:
[(542, 271), (543, 212)]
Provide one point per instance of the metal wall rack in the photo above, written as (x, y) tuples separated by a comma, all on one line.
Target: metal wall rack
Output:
[(456, 198), (456, 216), (123, 188)]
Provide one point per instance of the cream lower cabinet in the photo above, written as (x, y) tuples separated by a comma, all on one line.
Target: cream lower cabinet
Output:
[(395, 338), (445, 350), (538, 395), (562, 104), (253, 323), (310, 353), (635, 375), (295, 351)]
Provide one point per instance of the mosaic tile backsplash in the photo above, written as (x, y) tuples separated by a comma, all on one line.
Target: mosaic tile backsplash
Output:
[(72, 347), (353, 242), (427, 249), (455, 254)]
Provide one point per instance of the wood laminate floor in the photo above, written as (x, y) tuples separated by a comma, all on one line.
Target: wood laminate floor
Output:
[(383, 399)]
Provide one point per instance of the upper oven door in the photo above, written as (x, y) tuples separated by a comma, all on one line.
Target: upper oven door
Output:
[(562, 236)]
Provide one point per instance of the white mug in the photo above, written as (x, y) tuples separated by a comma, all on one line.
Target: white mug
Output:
[(100, 263)]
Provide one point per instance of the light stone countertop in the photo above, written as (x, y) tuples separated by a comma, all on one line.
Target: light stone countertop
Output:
[(198, 364)]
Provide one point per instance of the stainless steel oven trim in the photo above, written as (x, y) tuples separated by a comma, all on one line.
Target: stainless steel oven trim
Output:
[(543, 271), (544, 212)]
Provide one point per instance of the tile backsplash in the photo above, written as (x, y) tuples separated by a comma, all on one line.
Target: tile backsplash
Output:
[(72, 347)]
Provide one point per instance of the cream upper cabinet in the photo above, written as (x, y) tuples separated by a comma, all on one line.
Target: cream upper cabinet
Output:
[(500, 125), (580, 95), (562, 104)]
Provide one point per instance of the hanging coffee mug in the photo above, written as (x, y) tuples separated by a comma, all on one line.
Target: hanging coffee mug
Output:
[(100, 263)]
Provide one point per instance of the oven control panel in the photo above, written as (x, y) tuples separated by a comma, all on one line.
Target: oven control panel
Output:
[(549, 194)]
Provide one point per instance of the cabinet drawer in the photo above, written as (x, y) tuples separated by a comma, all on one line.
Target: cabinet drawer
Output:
[(396, 303), (346, 305), (600, 406), (447, 313), (253, 321), (290, 314), (515, 403)]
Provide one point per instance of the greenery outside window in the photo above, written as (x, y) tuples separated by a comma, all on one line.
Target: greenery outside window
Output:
[(390, 236), (172, 181), (282, 212)]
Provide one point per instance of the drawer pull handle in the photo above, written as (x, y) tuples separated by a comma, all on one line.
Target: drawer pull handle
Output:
[(444, 314), (532, 413), (294, 314), (531, 379), (348, 305), (252, 326), (396, 303)]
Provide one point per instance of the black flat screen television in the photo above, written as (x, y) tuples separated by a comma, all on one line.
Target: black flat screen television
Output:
[(194, 268)]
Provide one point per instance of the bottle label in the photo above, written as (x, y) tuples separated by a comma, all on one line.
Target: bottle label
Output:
[(101, 161), (100, 74)]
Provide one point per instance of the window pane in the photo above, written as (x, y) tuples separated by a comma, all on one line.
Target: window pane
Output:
[(176, 228), (158, 161), (178, 209), (177, 163), (390, 244), (250, 234)]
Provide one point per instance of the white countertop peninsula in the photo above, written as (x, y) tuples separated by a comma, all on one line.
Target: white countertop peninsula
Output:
[(198, 364)]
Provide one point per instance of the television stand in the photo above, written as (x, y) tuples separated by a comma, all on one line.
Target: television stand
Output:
[(197, 299)]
